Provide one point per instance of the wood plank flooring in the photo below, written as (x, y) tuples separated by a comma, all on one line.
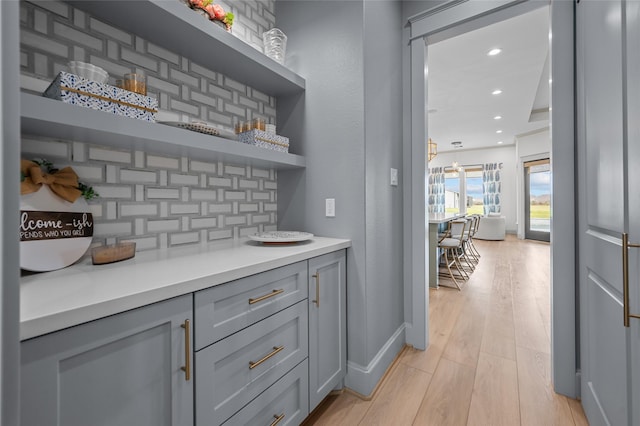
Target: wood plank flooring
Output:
[(488, 361)]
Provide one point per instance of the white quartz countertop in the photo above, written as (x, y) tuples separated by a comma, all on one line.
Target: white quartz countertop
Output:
[(84, 292), (437, 218)]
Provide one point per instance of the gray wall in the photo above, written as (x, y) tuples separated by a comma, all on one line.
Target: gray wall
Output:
[(9, 168), (415, 7), (349, 123), (383, 151)]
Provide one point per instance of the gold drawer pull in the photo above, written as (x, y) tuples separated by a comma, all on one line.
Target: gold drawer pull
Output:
[(187, 345), (317, 277), (277, 419), (625, 279), (275, 350), (266, 296)]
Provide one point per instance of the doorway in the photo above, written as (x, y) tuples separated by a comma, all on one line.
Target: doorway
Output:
[(537, 200), (445, 21)]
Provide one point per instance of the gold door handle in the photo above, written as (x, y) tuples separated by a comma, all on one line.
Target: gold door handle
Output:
[(317, 277), (254, 364), (187, 350), (266, 296), (625, 278), (277, 419)]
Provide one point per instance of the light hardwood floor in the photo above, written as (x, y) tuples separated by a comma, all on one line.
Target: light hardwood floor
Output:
[(488, 361)]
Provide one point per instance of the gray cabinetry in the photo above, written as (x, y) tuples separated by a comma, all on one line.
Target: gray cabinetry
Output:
[(120, 370), (233, 371), (225, 309), (327, 325), (286, 402), (250, 334)]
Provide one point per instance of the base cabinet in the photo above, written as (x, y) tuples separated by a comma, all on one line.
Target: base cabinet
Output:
[(327, 325), (121, 370), (269, 348)]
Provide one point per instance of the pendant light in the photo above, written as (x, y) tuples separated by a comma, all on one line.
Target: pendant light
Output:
[(455, 165), (432, 150)]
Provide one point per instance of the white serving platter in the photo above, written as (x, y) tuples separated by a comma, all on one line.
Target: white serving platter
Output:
[(281, 237)]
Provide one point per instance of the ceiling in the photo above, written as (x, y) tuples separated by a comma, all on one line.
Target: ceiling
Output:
[(462, 77)]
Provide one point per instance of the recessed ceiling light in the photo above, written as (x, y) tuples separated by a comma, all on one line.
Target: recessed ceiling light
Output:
[(498, 131), (494, 52), (499, 142), (497, 117), (496, 92)]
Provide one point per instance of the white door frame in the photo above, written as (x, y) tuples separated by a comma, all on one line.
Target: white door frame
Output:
[(442, 22)]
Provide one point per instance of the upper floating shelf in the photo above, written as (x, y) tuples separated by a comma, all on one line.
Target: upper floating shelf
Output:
[(47, 117), (174, 26)]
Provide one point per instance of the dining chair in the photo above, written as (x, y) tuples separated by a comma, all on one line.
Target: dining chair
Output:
[(451, 245), (468, 239), (464, 252)]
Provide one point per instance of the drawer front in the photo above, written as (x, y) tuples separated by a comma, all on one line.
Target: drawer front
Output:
[(287, 399), (233, 371), (227, 308)]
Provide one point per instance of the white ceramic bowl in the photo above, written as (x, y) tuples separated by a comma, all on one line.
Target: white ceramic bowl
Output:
[(89, 71)]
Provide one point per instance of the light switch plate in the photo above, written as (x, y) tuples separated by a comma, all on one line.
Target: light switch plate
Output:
[(330, 207), (393, 177)]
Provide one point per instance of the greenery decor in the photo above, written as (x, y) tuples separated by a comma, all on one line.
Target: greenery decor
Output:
[(215, 12)]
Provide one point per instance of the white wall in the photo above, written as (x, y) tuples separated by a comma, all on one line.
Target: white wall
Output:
[(537, 145), (505, 155), (528, 148)]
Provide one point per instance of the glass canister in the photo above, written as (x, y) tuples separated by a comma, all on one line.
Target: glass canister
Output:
[(275, 44)]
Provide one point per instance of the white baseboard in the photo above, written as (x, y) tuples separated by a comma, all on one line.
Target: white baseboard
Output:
[(363, 379)]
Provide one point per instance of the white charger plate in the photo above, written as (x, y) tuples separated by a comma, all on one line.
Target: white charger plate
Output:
[(281, 236)]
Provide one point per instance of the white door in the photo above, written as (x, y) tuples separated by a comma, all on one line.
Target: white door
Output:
[(608, 180)]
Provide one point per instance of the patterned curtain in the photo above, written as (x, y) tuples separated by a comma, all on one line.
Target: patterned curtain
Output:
[(492, 187), (436, 190)]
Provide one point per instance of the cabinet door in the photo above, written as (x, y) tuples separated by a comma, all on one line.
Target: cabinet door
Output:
[(327, 324), (120, 370)]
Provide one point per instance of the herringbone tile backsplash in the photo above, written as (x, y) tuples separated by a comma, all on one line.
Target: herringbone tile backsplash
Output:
[(153, 200)]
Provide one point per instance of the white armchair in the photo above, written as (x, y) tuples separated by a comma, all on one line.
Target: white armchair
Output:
[(491, 228)]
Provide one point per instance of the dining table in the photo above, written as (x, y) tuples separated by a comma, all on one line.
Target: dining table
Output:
[(437, 221)]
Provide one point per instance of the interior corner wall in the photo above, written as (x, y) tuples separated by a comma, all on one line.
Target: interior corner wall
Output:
[(329, 126), (505, 155), (348, 127), (383, 151)]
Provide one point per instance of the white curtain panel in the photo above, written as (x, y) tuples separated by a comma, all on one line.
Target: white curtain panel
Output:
[(492, 187)]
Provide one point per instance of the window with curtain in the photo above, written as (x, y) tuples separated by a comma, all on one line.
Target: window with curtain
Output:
[(452, 191), (474, 190)]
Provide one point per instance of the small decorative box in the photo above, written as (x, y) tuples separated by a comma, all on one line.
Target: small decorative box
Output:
[(265, 140), (72, 89)]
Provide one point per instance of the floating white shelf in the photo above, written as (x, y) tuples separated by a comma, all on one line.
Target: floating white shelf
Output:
[(174, 26), (47, 117)]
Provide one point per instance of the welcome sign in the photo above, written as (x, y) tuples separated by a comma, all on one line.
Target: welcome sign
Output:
[(45, 225), (54, 233)]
